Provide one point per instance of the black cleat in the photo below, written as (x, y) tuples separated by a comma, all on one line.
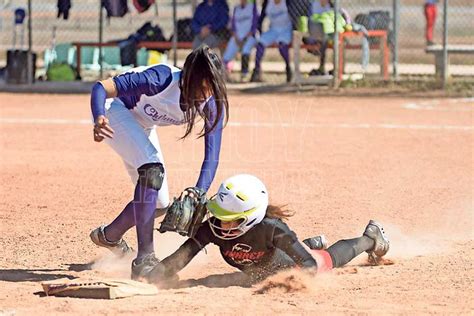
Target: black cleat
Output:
[(256, 76), (148, 269)]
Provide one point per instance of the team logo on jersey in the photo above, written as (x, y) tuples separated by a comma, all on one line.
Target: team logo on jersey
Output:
[(243, 254), (159, 117)]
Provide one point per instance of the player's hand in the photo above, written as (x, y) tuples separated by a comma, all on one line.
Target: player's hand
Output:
[(102, 129)]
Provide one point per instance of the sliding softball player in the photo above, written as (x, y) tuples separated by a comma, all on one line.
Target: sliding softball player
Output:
[(252, 236)]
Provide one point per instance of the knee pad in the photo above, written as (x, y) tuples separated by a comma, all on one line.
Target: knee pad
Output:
[(151, 175)]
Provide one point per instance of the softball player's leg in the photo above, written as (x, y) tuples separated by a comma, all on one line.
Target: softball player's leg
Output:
[(126, 219), (316, 31), (230, 51), (246, 50), (374, 241), (284, 40), (132, 143), (265, 40)]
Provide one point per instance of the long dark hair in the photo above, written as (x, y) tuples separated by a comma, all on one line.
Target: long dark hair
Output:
[(278, 211), (202, 67)]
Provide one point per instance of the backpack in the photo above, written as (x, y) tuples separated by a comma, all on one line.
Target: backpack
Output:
[(375, 20), (185, 32)]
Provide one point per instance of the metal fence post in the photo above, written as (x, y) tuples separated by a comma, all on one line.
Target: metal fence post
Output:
[(101, 38), (29, 62), (175, 34), (396, 26), (445, 43), (336, 47)]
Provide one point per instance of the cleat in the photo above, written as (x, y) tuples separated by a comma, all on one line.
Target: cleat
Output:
[(148, 269), (118, 248), (256, 76), (244, 77), (316, 243), (375, 232)]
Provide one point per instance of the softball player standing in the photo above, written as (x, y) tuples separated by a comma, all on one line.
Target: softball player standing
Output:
[(244, 26), (280, 32), (126, 110)]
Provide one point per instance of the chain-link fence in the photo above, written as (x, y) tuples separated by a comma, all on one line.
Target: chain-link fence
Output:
[(59, 41)]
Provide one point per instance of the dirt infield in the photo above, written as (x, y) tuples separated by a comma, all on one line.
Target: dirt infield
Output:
[(337, 161)]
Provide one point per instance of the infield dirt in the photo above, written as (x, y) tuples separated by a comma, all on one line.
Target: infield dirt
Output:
[(336, 161)]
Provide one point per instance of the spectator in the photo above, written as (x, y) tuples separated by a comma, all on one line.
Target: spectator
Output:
[(280, 32), (244, 26), (430, 15), (321, 29), (210, 23)]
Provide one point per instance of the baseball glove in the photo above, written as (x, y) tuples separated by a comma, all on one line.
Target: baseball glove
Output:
[(186, 213)]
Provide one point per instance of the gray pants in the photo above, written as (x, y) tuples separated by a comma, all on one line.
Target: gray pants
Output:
[(316, 31), (316, 34)]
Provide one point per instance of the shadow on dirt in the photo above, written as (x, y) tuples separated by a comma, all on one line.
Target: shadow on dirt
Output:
[(79, 267), (213, 281), (32, 275)]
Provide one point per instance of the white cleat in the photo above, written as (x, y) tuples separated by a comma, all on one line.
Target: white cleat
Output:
[(376, 232)]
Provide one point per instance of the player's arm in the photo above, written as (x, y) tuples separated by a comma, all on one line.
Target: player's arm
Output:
[(212, 146), (285, 239), (151, 81), (186, 252), (100, 92)]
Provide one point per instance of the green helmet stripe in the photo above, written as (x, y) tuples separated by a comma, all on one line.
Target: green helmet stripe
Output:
[(225, 215)]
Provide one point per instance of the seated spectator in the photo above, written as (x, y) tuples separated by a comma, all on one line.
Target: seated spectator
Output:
[(244, 26), (321, 29), (280, 32), (210, 23)]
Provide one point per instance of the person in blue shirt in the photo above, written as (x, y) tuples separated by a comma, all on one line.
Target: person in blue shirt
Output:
[(126, 110), (209, 23)]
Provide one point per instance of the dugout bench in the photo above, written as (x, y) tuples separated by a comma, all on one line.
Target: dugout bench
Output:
[(297, 46), (382, 45), (437, 51)]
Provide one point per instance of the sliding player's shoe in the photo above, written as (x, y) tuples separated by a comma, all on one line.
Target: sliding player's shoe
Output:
[(376, 232)]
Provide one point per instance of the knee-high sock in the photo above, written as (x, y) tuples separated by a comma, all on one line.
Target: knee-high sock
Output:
[(144, 204), (259, 56), (344, 251), (322, 61), (126, 220), (284, 52), (245, 64)]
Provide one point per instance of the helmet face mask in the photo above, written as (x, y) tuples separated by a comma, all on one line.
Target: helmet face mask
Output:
[(242, 198), (226, 233)]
